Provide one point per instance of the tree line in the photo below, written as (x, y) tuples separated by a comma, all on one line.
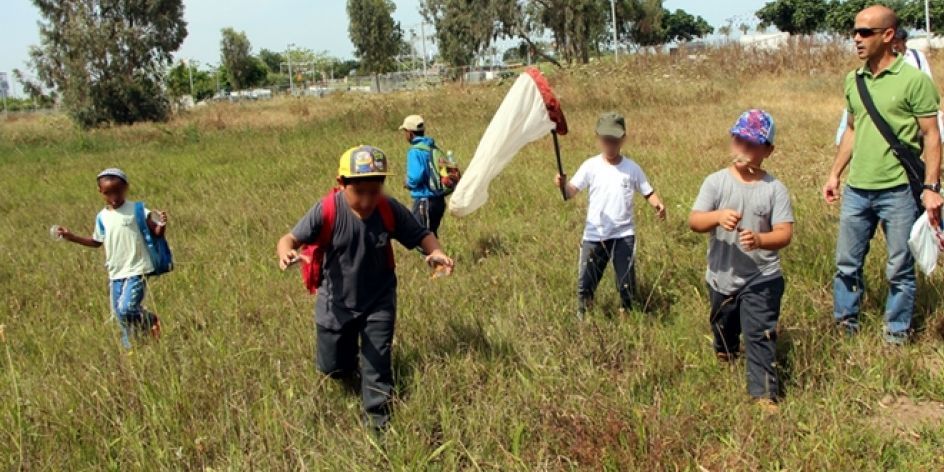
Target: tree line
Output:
[(111, 61)]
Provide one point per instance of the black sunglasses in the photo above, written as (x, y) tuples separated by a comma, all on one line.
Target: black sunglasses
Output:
[(867, 32)]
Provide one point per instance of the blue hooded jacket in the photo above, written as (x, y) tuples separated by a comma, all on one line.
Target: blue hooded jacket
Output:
[(417, 169)]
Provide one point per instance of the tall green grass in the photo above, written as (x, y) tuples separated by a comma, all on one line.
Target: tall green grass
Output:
[(493, 370)]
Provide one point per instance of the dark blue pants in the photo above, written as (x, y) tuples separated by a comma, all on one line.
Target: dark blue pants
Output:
[(429, 212), (362, 345), (754, 312), (594, 257)]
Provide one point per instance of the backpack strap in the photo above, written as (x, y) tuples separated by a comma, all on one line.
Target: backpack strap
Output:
[(141, 219), (913, 165), (329, 213), (917, 57), (390, 224)]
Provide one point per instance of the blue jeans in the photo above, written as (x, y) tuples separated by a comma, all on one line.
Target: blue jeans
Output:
[(863, 211), (126, 297)]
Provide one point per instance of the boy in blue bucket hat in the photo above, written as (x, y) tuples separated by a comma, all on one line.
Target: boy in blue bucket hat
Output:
[(749, 218)]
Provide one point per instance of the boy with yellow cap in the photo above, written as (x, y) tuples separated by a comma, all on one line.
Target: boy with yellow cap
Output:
[(355, 307)]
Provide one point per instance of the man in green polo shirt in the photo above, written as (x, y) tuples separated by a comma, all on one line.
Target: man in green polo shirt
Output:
[(877, 191)]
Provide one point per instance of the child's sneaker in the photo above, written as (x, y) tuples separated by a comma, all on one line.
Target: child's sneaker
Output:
[(767, 406), (155, 329)]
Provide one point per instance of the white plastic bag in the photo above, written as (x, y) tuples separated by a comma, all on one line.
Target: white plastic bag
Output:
[(926, 244)]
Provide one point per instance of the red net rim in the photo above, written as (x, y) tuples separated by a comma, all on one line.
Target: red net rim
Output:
[(550, 100)]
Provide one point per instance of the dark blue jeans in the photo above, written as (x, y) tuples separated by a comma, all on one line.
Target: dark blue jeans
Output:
[(594, 257), (753, 312), (429, 212), (362, 345), (863, 211)]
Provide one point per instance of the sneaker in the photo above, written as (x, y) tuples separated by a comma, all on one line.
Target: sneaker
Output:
[(581, 315), (726, 357), (767, 406), (896, 339), (155, 326), (848, 326)]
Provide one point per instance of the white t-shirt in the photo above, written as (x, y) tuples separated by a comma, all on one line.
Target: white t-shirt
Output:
[(125, 252), (611, 190)]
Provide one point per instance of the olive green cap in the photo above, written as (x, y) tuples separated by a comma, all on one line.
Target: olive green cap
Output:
[(612, 125)]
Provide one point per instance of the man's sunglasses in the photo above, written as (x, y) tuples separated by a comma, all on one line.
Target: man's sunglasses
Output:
[(867, 32)]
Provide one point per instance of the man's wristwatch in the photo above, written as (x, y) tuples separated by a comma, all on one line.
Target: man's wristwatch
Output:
[(936, 188)]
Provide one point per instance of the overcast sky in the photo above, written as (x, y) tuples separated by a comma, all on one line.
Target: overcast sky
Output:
[(320, 25)]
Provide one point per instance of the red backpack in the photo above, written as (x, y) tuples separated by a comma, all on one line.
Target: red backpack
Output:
[(313, 271)]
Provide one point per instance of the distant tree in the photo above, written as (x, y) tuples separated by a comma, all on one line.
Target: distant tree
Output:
[(840, 19), (649, 22), (795, 16), (376, 36), (106, 58), (466, 28), (912, 15), (578, 26), (178, 81), (761, 28), (744, 28), (273, 60), (244, 70), (725, 31), (39, 95), (682, 26), (345, 68)]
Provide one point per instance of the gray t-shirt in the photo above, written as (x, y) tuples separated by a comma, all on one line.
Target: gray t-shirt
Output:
[(762, 205), (357, 278)]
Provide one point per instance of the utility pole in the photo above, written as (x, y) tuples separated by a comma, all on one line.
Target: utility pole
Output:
[(927, 18), (423, 34), (615, 40), (189, 66), (291, 79), (4, 89)]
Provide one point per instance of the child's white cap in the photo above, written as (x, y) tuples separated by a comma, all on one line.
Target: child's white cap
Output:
[(113, 172)]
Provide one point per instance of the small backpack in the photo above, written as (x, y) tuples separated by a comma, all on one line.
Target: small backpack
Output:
[(162, 259), (444, 173), (313, 255)]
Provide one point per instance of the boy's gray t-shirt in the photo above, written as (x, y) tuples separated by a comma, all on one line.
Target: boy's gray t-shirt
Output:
[(357, 278), (762, 205)]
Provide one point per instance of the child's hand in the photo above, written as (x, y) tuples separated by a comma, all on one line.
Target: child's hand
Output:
[(749, 240), (728, 219), (161, 218), (660, 210), (290, 258), (559, 179), (441, 263), (63, 233)]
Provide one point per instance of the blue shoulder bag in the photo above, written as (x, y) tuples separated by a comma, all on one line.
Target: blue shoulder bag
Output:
[(161, 257)]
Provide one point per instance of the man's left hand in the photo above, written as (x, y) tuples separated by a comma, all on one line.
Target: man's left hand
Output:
[(933, 203)]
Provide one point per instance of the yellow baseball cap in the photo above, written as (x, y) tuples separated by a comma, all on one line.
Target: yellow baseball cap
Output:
[(363, 161), (413, 123)]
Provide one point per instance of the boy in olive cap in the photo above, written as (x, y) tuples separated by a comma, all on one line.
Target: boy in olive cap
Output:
[(355, 307), (749, 217), (126, 256), (610, 233)]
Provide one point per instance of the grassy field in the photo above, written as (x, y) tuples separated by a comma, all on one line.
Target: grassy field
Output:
[(493, 370)]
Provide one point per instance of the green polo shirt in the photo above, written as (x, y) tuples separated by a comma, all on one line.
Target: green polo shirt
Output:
[(901, 93)]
